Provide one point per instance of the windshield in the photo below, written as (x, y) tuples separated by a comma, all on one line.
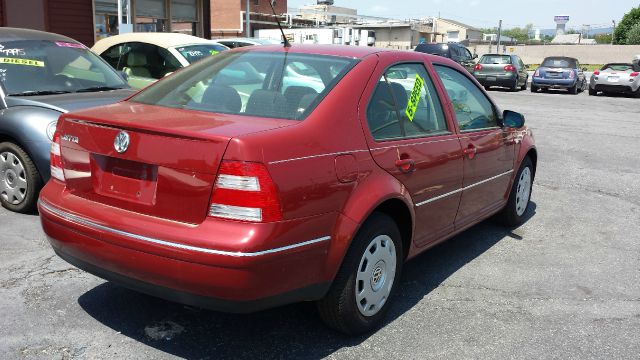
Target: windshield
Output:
[(559, 63), (495, 59), (194, 53), (435, 49), (39, 67), (619, 67), (264, 84)]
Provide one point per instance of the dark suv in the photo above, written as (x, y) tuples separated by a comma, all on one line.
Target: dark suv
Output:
[(453, 51)]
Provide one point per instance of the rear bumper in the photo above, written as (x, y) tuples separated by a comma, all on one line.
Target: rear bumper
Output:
[(503, 80), (625, 89), (248, 277), (553, 83)]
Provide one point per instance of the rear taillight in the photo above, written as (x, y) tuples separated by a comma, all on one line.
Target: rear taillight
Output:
[(537, 73), (572, 74), (597, 72), (56, 158), (634, 74), (510, 68), (478, 67), (245, 191)]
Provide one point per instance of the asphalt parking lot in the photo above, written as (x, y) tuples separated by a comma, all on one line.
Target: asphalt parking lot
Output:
[(565, 285)]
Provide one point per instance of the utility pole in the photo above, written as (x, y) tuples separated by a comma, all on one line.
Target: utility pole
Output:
[(499, 36), (613, 33), (247, 19)]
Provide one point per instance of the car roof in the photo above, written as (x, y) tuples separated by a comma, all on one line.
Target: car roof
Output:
[(163, 40), (561, 58), (358, 52), (13, 34)]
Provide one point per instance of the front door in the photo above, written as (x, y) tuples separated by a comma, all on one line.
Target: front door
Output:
[(412, 139), (488, 148)]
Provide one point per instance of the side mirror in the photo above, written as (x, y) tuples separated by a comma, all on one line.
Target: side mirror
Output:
[(512, 119), (123, 75)]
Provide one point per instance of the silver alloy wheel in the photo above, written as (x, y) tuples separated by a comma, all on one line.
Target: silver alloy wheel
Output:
[(376, 273), (13, 178), (523, 191)]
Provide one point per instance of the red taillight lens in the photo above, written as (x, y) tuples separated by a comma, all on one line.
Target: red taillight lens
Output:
[(597, 72), (245, 191), (537, 73), (572, 74), (510, 68), (56, 158), (478, 67), (634, 74)]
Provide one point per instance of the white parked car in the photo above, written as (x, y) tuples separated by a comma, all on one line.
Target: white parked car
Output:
[(242, 42), (147, 57)]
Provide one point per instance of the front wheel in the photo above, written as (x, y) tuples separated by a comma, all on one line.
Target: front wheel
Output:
[(360, 294), (519, 197), (20, 180)]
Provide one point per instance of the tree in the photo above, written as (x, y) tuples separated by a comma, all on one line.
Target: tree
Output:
[(603, 38), (628, 21), (633, 36)]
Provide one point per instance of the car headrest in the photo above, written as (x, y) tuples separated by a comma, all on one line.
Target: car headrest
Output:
[(136, 59), (267, 103), (402, 98), (221, 98)]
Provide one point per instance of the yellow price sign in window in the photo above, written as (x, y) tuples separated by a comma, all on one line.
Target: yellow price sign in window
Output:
[(414, 99), (27, 62)]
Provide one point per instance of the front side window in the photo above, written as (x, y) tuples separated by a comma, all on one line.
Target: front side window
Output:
[(33, 67), (473, 109), (405, 105), (262, 84)]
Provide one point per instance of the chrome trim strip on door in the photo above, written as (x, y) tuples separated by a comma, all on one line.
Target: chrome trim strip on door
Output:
[(316, 156), (82, 221), (463, 189)]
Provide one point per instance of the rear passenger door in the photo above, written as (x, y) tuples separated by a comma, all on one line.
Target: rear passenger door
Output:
[(410, 137), (488, 148)]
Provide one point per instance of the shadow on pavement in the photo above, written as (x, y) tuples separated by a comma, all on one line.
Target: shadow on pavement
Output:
[(293, 331)]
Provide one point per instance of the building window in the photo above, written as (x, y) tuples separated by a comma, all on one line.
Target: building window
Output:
[(106, 18), (184, 16), (151, 16)]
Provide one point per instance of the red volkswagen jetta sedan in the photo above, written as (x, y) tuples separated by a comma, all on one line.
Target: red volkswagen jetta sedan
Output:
[(270, 175)]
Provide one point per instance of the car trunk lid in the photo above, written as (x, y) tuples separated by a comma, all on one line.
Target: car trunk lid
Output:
[(555, 73), (169, 166)]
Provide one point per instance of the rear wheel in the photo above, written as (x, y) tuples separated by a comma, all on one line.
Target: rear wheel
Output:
[(534, 89), (487, 87), (20, 180), (519, 197), (514, 87), (637, 93), (592, 92), (524, 86), (574, 89), (360, 293)]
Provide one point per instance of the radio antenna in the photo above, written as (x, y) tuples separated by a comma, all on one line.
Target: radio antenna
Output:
[(286, 41)]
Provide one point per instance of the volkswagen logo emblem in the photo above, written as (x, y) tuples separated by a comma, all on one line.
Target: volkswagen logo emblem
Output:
[(121, 143)]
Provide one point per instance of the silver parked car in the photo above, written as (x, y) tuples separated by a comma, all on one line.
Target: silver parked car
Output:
[(615, 78), (501, 70)]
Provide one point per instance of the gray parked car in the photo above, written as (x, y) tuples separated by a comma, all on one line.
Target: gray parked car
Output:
[(41, 76), (501, 70), (616, 78)]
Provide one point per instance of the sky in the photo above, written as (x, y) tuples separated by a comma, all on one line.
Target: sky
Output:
[(486, 14)]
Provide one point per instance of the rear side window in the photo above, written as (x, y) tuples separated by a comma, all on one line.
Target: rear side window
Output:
[(405, 104), (435, 49), (495, 59), (262, 84), (473, 109)]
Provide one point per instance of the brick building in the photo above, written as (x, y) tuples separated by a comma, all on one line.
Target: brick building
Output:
[(90, 20)]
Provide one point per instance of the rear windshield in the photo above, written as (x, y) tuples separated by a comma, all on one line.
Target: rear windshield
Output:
[(194, 53), (435, 49), (495, 59), (559, 63), (41, 67), (618, 67), (275, 85)]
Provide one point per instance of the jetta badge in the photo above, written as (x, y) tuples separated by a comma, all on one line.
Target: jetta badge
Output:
[(121, 143)]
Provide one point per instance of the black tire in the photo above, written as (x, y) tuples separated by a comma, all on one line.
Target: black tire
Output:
[(637, 93), (339, 309), (526, 81), (574, 89), (509, 215), (31, 175), (592, 92), (515, 87), (487, 88), (534, 89)]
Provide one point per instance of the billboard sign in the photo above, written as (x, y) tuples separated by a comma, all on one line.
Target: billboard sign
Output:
[(564, 18)]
